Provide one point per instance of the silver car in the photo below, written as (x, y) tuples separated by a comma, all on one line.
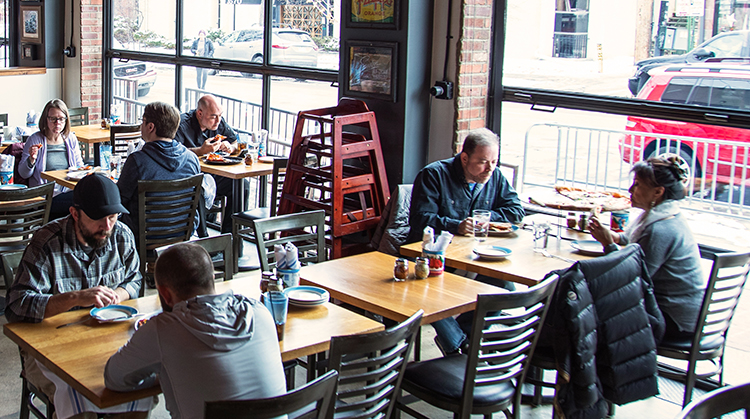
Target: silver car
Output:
[(291, 47)]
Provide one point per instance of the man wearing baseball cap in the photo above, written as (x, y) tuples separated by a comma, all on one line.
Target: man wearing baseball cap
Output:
[(87, 259)]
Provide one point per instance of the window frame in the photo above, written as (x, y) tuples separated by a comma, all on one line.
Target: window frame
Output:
[(549, 100), (266, 69)]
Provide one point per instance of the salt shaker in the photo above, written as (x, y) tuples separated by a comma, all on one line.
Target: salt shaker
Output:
[(421, 268)]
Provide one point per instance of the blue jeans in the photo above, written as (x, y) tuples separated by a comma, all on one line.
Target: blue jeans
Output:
[(452, 332)]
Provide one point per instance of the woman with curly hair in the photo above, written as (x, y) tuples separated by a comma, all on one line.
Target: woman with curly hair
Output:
[(671, 253)]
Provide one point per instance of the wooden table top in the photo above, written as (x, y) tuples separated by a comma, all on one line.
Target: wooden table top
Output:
[(237, 171), (59, 176), (78, 353), (91, 134), (366, 281), (523, 266)]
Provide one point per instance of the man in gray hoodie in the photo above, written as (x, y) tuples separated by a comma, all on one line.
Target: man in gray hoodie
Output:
[(162, 158), (204, 346)]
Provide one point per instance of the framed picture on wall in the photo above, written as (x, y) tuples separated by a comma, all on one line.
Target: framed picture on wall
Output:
[(371, 69), (28, 52), (379, 14), (31, 23)]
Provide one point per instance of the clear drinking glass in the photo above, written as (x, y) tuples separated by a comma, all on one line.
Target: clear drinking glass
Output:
[(541, 235), (481, 220)]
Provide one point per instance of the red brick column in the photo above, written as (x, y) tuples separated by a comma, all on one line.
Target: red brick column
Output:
[(473, 67), (91, 57)]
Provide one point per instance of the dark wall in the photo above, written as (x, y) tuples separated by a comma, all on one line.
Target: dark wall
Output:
[(403, 124), (46, 51)]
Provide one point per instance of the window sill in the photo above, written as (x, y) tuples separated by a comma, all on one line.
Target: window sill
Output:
[(22, 71)]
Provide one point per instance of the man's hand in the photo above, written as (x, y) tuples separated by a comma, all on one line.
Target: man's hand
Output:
[(466, 228), (208, 146), (228, 147), (98, 296)]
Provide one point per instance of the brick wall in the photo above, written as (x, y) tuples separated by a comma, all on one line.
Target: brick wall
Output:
[(473, 67), (91, 57)]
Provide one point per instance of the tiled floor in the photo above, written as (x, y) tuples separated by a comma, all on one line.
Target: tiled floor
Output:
[(737, 363)]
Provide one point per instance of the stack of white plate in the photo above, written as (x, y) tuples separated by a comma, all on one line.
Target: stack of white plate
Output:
[(305, 296)]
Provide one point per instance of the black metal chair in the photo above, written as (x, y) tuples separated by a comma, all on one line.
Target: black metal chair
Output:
[(242, 222), (166, 215), (719, 402), (482, 381), (24, 211), (306, 230), (121, 135), (728, 277), (371, 367), (297, 404), (29, 392), (214, 245)]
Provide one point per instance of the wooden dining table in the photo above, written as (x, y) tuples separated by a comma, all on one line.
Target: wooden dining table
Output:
[(78, 353), (60, 177), (237, 172), (366, 281), (92, 134), (523, 266)]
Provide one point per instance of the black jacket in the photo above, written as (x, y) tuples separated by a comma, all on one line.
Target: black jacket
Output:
[(604, 325)]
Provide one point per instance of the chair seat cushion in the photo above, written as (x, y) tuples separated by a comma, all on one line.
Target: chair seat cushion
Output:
[(253, 214), (707, 344), (445, 377)]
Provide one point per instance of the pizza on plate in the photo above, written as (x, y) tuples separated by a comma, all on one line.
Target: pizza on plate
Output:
[(577, 199), (501, 227)]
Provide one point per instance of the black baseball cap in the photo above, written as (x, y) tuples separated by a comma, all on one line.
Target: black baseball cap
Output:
[(98, 197)]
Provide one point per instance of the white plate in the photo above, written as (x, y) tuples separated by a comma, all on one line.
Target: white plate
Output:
[(140, 322), (114, 313), (78, 175), (12, 187), (266, 159), (512, 230), (305, 296), (588, 247), (492, 252)]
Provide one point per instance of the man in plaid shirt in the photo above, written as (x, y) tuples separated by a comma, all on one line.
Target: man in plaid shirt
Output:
[(83, 260)]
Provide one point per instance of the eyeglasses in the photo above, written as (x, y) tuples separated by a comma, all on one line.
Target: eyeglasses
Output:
[(53, 119)]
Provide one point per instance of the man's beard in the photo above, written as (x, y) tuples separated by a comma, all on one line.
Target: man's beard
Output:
[(90, 239)]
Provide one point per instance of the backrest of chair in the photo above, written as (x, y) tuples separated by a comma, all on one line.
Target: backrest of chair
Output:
[(120, 135), (78, 116), (306, 230), (166, 212), (295, 404), (215, 244), (719, 402), (501, 346), (728, 275), (22, 212), (277, 183), (370, 376), (11, 260), (510, 172)]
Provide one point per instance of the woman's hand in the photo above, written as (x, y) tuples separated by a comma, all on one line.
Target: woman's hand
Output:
[(602, 234), (34, 152)]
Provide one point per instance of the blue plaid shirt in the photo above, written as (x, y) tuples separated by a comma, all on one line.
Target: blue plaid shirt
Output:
[(55, 262)]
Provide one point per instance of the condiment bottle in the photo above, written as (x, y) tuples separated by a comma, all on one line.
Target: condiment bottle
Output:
[(571, 220), (275, 284), (583, 222), (265, 278), (421, 268), (400, 270)]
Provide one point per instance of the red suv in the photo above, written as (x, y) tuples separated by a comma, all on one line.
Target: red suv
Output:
[(716, 84)]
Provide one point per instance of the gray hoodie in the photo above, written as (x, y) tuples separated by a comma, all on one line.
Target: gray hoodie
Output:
[(211, 347)]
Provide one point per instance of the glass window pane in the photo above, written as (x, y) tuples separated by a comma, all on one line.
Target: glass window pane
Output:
[(239, 96), (144, 25), (288, 97), (679, 89), (140, 83)]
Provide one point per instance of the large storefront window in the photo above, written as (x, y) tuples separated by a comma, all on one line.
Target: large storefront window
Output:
[(231, 49), (4, 33)]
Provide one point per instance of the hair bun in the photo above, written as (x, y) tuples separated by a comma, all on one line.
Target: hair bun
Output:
[(675, 165)]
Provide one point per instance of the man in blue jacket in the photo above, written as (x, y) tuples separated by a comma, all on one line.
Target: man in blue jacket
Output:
[(162, 158), (444, 195)]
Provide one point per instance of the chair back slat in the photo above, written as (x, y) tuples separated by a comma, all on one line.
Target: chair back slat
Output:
[(120, 135), (166, 213), (305, 230), (383, 355), (277, 183), (311, 401), (500, 346), (725, 284), (78, 116)]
